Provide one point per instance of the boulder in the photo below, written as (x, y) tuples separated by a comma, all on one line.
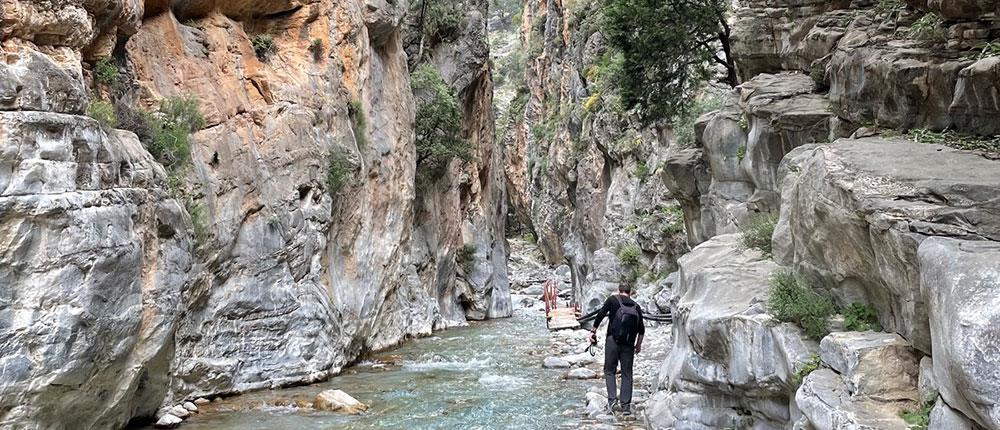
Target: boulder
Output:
[(338, 401), (927, 386), (168, 421), (556, 363), (826, 401), (581, 373), (882, 366), (179, 411), (944, 417), (190, 406), (853, 213), (961, 283), (730, 361)]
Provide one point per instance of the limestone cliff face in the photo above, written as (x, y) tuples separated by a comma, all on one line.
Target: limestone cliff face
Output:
[(825, 133), (580, 173), (126, 285)]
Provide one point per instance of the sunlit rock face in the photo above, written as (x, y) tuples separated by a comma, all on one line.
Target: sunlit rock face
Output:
[(127, 285)]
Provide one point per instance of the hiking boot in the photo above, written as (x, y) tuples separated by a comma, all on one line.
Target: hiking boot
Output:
[(613, 406), (626, 409)]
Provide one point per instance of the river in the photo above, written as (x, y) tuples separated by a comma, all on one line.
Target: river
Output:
[(484, 376)]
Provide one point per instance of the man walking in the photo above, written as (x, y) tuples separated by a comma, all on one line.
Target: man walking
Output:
[(623, 341)]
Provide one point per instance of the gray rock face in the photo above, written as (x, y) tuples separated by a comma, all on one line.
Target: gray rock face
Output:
[(582, 178), (741, 147), (730, 362), (93, 261), (112, 305), (881, 366), (854, 212), (827, 403), (961, 280)]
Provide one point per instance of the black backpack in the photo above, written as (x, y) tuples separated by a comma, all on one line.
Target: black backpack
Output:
[(625, 325)]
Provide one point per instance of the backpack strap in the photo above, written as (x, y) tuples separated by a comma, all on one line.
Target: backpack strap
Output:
[(619, 299)]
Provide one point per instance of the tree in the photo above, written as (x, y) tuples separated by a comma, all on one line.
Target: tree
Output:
[(438, 122), (668, 49)]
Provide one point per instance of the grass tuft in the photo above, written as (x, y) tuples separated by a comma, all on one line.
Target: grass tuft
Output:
[(793, 300), (757, 231)]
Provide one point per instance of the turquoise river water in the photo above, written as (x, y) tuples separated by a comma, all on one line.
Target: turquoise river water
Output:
[(484, 376)]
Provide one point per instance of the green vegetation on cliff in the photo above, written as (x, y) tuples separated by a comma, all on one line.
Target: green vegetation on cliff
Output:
[(793, 300), (668, 50), (103, 112), (438, 122), (756, 232)]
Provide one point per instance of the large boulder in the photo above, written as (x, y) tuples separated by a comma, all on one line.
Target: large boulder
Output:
[(828, 404), (961, 282), (853, 213), (730, 361), (878, 365)]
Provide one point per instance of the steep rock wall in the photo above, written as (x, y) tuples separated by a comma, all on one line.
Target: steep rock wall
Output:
[(881, 221), (581, 175), (244, 270)]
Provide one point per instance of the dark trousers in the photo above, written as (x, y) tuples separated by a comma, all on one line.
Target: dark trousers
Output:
[(615, 354)]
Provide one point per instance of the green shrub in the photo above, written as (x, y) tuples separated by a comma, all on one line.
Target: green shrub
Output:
[(438, 123), (529, 237), (103, 112), (756, 232), (170, 130), (920, 418), (641, 171), (809, 367), (199, 223), (791, 299), (675, 220), (466, 256), (338, 172), (316, 48), (985, 49), (359, 123), (987, 144), (741, 152), (263, 46), (890, 8), (629, 255), (860, 317), (929, 27), (683, 125), (106, 72), (442, 20)]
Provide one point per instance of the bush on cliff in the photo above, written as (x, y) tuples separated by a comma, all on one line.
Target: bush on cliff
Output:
[(106, 72), (668, 49), (793, 300), (339, 170), (359, 123), (438, 123), (103, 112), (860, 317), (263, 46), (171, 128), (756, 232)]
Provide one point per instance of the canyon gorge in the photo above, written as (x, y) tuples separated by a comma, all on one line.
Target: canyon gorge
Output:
[(234, 201)]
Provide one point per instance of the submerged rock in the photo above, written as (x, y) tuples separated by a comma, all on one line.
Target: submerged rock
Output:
[(338, 401)]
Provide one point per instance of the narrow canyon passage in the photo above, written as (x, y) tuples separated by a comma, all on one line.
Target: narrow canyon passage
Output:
[(488, 375)]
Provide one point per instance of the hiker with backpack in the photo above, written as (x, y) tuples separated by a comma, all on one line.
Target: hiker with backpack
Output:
[(623, 341)]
